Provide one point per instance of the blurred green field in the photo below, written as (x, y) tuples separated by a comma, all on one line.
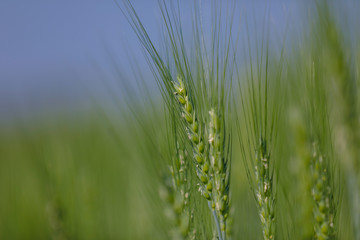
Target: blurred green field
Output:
[(90, 180)]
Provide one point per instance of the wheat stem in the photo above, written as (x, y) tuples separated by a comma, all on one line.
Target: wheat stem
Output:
[(216, 221)]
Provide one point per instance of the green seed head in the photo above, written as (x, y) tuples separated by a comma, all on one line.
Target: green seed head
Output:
[(180, 88), (199, 159), (267, 232), (209, 187), (181, 99), (188, 107), (189, 118), (195, 127), (201, 147), (203, 179), (325, 228), (206, 168), (322, 206), (206, 195), (222, 206), (262, 213), (319, 217), (320, 236), (195, 138)]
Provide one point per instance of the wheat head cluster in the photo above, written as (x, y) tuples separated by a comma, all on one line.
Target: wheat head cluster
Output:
[(290, 119)]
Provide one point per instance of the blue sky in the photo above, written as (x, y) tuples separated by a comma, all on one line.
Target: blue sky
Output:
[(54, 54)]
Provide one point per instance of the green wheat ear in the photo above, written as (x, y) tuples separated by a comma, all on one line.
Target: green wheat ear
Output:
[(322, 195), (219, 166), (175, 193), (196, 137), (316, 183), (212, 166), (264, 191), (203, 79), (302, 161), (257, 138)]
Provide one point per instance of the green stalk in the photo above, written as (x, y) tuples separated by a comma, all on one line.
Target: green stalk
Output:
[(216, 222)]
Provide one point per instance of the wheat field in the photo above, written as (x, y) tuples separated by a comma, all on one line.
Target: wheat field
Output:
[(243, 137)]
